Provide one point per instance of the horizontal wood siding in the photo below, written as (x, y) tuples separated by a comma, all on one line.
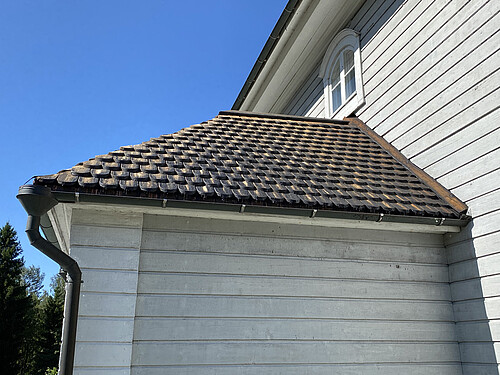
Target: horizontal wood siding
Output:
[(431, 72), (106, 245), (309, 101), (432, 78), (224, 297)]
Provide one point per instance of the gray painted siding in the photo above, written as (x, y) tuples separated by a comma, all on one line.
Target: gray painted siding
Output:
[(252, 298), (309, 101), (431, 72), (106, 246), (440, 108)]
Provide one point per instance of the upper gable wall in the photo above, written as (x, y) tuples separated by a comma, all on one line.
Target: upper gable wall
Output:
[(304, 40), (371, 18)]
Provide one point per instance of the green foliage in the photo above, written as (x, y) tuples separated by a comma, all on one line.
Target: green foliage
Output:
[(51, 310), (30, 321), (16, 306), (33, 280)]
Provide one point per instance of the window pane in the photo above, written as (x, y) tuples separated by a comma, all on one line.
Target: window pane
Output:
[(336, 98), (350, 83), (336, 73), (348, 60)]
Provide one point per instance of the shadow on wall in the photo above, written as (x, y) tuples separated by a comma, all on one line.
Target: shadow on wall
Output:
[(369, 29), (473, 305)]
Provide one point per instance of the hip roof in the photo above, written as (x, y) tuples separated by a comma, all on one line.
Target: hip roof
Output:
[(269, 160)]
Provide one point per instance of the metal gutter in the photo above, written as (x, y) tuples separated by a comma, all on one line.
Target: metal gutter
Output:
[(271, 43), (68, 197), (37, 200)]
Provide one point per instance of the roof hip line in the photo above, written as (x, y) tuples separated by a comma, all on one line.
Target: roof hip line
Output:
[(423, 176)]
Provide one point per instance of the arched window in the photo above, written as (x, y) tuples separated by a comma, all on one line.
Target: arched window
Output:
[(341, 73)]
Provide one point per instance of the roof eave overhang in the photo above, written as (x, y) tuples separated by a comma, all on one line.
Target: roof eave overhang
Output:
[(296, 45), (284, 215)]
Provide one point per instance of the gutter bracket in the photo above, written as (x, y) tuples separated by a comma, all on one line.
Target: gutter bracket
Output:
[(380, 217), (313, 213), (440, 221), (242, 208)]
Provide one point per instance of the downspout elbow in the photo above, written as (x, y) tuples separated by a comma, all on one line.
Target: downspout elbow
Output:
[(36, 240), (38, 200)]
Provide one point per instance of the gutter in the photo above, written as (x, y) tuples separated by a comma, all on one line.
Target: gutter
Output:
[(266, 52), (76, 197), (37, 200)]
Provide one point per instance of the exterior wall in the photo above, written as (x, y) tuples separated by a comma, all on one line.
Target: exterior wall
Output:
[(309, 101), (106, 246), (235, 297), (432, 86), (184, 295), (436, 98)]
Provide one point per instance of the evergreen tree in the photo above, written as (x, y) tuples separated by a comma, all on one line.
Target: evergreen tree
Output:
[(30, 320), (50, 327), (16, 307), (33, 279)]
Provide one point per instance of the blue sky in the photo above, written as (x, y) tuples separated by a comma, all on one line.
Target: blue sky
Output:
[(82, 78)]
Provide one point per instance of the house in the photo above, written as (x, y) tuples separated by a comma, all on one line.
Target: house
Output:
[(342, 218)]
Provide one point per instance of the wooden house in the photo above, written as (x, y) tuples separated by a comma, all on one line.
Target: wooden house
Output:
[(342, 218)]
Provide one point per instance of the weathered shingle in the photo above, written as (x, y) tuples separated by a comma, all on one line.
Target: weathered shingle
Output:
[(264, 160)]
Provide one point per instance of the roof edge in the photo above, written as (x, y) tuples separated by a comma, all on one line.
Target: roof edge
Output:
[(428, 180), (268, 48), (302, 213), (283, 117)]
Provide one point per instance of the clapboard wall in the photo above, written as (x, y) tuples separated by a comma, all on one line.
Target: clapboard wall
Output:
[(106, 245), (432, 84), (309, 101), (432, 80), (235, 297)]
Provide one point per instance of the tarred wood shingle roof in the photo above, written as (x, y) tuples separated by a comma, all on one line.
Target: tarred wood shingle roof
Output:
[(271, 160)]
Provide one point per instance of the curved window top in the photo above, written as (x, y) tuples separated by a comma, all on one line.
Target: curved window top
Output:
[(341, 73)]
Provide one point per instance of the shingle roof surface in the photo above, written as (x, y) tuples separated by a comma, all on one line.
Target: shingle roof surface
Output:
[(263, 160)]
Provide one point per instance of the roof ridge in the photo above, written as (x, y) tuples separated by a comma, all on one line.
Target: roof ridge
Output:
[(283, 117)]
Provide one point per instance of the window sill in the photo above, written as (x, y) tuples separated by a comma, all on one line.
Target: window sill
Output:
[(351, 105)]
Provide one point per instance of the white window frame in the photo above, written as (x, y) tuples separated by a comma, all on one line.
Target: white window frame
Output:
[(344, 40)]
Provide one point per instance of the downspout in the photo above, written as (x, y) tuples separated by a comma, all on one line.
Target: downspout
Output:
[(37, 201)]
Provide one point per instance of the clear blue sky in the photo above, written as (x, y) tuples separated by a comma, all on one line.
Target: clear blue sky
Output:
[(82, 78)]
